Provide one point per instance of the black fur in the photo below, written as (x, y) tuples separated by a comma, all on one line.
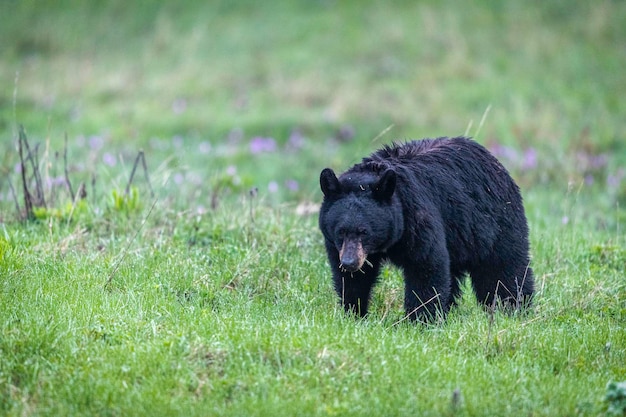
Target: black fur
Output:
[(436, 208)]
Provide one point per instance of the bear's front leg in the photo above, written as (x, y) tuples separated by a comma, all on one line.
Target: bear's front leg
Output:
[(427, 289), (353, 288)]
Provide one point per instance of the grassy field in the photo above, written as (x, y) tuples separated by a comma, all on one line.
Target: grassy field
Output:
[(213, 297)]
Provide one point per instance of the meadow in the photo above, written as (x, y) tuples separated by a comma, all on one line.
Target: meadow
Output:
[(199, 286)]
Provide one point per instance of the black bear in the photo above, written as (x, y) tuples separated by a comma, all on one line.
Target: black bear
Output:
[(436, 208)]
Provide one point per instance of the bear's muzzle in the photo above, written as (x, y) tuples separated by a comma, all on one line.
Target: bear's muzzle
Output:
[(352, 256)]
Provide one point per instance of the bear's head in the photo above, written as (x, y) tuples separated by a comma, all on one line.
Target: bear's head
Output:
[(360, 214)]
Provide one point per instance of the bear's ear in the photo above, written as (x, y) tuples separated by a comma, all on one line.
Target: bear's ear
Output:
[(329, 183), (386, 185)]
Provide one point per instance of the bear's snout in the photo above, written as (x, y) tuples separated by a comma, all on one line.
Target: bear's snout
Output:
[(352, 256)]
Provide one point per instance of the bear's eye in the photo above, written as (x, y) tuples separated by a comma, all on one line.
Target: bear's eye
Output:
[(361, 231)]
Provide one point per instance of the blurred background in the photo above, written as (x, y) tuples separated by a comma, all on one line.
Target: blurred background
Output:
[(227, 96)]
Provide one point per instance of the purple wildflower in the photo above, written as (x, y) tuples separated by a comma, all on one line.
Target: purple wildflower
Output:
[(55, 182), (231, 170), (296, 140), (109, 159), (589, 161), (345, 133), (292, 185), (530, 159), (272, 187), (260, 144), (599, 161), (503, 152), (96, 142), (614, 180)]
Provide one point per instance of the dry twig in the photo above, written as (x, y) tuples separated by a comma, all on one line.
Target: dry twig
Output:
[(28, 201), (140, 157), (67, 176)]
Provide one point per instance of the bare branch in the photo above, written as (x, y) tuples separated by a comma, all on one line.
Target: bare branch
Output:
[(93, 186), (132, 174), (67, 176), (145, 171), (41, 199), (35, 164), (140, 158), (28, 203)]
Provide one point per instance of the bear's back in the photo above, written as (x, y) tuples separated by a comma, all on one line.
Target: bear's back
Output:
[(397, 154), (402, 152), (446, 169), (408, 150), (443, 152)]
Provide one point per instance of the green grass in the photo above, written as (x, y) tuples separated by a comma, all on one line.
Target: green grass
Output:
[(210, 300), (225, 316)]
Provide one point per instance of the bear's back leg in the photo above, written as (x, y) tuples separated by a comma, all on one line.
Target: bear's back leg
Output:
[(508, 281)]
